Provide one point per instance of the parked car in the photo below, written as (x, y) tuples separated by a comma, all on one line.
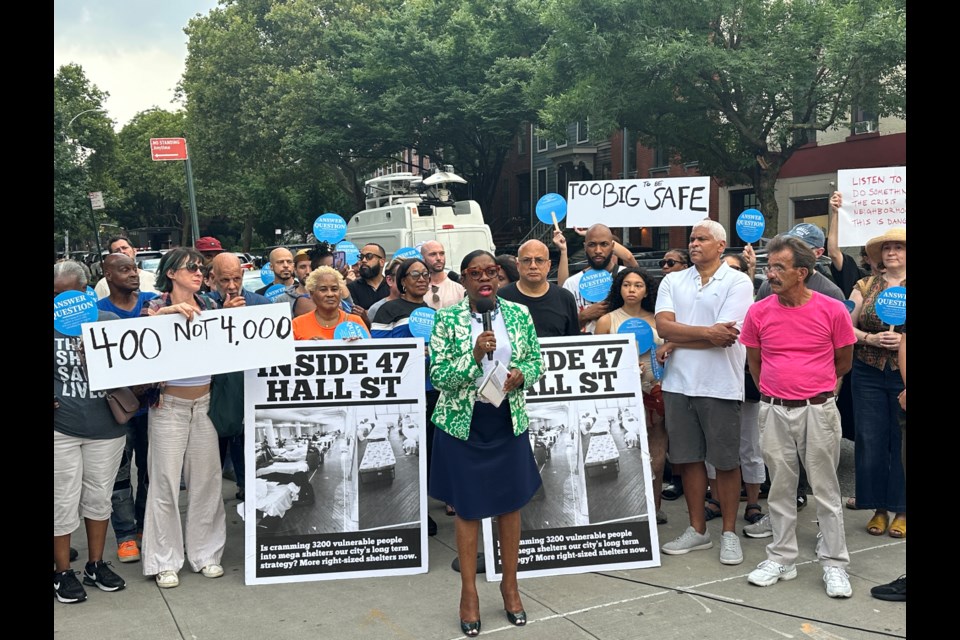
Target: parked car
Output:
[(247, 261), (251, 280), (149, 254)]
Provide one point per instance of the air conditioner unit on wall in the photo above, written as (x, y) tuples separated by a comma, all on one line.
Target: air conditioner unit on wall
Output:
[(864, 126)]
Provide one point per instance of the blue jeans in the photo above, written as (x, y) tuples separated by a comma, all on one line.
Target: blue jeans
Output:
[(128, 512), (881, 483)]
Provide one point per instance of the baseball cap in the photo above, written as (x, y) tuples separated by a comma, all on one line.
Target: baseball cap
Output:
[(809, 233), (302, 255), (208, 244)]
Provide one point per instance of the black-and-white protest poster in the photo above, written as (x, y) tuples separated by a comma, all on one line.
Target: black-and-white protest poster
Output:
[(647, 202), (335, 479), (167, 347), (589, 437)]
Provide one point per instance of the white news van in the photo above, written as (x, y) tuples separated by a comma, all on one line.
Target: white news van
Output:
[(404, 210)]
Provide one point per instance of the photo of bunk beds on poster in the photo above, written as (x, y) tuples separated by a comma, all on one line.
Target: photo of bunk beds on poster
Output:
[(304, 471), (388, 465), (562, 500), (612, 435)]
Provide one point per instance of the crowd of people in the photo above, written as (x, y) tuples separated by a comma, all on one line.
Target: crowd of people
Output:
[(742, 394)]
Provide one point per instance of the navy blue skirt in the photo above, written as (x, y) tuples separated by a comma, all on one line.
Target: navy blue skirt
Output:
[(491, 473)]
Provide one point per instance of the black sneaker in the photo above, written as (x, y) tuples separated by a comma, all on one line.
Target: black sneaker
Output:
[(672, 490), (67, 588), (102, 576), (801, 499), (895, 591)]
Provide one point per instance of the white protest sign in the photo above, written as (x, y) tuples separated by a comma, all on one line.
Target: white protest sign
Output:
[(669, 202), (336, 463), (167, 347), (588, 432), (874, 200)]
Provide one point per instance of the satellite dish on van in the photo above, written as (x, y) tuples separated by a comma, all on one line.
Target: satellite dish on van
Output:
[(442, 176)]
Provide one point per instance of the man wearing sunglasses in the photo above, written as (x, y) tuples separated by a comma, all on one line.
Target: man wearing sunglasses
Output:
[(553, 308), (443, 291), (371, 286)]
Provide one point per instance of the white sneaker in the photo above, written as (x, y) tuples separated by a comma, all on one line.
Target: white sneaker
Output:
[(730, 552), (838, 584), (167, 579), (759, 529), (769, 572), (688, 541), (212, 571)]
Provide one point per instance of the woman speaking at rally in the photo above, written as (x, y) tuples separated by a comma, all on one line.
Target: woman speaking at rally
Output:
[(182, 439), (324, 286), (483, 463)]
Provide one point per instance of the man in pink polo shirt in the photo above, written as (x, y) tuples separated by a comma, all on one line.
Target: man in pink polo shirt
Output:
[(799, 344)]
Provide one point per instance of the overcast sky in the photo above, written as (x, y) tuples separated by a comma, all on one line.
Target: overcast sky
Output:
[(132, 49)]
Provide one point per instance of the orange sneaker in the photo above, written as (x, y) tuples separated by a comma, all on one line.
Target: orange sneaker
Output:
[(128, 551)]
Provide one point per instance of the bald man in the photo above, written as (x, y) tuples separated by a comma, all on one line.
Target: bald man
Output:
[(227, 278), (553, 308), (599, 244), (281, 261), (121, 244), (443, 291), (226, 389), (126, 299), (122, 276)]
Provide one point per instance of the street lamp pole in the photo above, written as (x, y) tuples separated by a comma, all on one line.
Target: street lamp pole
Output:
[(93, 215)]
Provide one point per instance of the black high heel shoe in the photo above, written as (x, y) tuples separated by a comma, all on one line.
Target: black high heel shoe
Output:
[(517, 619), (470, 629)]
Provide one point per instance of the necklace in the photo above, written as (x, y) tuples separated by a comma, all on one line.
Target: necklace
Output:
[(325, 322)]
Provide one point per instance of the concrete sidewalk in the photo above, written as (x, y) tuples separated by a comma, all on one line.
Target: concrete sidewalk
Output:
[(689, 596)]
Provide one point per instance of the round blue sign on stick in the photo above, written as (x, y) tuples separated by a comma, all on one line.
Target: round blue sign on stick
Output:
[(266, 274), (346, 330), (350, 252), (642, 332), (595, 285), (406, 253), (551, 208), (421, 322), (73, 308), (750, 225), (329, 227), (275, 291), (891, 306), (850, 305)]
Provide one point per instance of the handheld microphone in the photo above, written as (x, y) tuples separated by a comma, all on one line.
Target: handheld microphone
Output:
[(485, 306)]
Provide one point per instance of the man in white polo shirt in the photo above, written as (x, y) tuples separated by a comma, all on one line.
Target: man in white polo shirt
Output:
[(699, 313)]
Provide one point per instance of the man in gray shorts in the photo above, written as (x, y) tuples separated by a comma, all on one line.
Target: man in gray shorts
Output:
[(699, 313)]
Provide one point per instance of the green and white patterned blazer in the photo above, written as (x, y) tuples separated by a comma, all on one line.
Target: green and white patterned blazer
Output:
[(454, 371)]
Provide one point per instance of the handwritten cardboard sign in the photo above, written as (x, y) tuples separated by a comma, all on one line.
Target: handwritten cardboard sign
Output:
[(874, 201), (669, 202), (167, 347)]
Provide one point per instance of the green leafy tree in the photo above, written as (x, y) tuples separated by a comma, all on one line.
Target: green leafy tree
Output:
[(83, 149), (737, 85), (248, 181), (153, 193)]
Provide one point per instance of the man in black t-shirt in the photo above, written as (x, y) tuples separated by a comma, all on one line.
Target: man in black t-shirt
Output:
[(553, 308)]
